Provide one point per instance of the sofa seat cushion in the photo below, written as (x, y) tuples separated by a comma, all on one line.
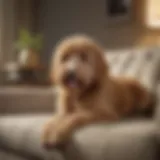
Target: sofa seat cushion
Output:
[(133, 140), (21, 134)]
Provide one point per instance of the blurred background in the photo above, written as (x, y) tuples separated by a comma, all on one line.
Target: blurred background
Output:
[(31, 28)]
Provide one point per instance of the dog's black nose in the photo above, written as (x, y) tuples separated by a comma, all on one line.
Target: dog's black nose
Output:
[(71, 75)]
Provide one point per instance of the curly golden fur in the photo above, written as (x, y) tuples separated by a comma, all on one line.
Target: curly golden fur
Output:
[(87, 92)]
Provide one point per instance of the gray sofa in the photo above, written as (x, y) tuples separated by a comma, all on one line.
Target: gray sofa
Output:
[(25, 110)]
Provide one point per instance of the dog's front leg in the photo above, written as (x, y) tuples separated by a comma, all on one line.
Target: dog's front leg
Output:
[(71, 122), (51, 128), (60, 128), (83, 118)]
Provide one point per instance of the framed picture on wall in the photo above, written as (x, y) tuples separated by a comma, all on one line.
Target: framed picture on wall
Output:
[(118, 11)]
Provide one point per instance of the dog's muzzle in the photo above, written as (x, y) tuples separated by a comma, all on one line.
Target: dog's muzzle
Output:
[(71, 80)]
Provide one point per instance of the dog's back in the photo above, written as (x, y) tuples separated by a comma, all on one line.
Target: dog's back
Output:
[(131, 96)]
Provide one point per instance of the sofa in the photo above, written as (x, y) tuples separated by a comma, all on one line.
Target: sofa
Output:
[(24, 110)]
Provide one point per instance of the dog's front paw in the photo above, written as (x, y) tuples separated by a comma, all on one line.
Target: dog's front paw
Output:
[(54, 136)]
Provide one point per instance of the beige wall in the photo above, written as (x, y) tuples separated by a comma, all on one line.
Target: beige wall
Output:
[(59, 18), (7, 29)]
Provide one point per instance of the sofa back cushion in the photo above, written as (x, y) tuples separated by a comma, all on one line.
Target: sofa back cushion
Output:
[(142, 64)]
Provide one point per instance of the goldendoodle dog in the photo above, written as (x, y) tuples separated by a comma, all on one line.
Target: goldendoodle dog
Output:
[(87, 92)]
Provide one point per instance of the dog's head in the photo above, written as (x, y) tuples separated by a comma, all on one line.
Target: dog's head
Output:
[(78, 62)]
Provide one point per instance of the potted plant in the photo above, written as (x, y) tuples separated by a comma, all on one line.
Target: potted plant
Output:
[(29, 47)]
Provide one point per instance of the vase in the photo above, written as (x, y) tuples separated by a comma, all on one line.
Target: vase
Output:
[(28, 58)]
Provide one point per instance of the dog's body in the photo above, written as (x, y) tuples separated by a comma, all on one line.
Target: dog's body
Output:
[(87, 91)]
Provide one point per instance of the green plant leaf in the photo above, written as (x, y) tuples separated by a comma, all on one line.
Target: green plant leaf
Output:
[(27, 40)]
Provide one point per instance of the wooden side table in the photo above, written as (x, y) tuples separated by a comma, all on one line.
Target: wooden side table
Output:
[(29, 76)]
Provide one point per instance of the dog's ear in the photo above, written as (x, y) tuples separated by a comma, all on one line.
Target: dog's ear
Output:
[(101, 65)]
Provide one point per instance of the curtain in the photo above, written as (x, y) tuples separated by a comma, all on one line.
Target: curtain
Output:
[(153, 14)]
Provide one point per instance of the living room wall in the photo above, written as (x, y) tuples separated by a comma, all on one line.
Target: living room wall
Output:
[(59, 18)]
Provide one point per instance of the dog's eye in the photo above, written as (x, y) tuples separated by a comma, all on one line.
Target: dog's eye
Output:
[(65, 58), (83, 56)]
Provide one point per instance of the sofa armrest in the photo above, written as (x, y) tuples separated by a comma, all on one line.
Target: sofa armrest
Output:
[(26, 100)]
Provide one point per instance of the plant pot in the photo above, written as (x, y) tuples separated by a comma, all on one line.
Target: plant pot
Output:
[(28, 58)]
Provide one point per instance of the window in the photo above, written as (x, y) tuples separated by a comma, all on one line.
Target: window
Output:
[(153, 13)]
